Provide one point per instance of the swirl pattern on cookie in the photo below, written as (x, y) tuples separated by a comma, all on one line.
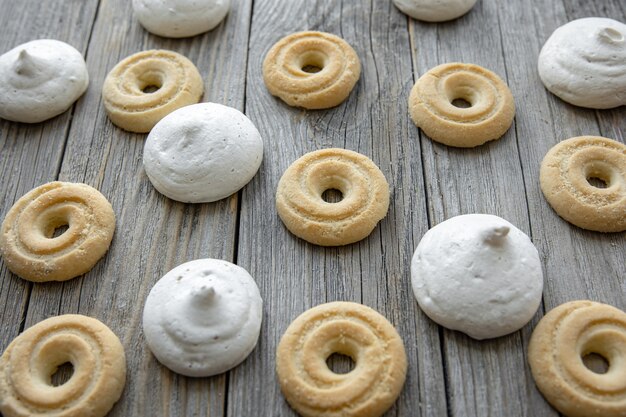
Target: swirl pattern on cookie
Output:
[(556, 350), (127, 94), (27, 365), (27, 241), (305, 213), (289, 70), (351, 329), (433, 108), (565, 175)]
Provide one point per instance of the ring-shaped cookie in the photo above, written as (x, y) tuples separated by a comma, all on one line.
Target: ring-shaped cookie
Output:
[(351, 329), (305, 213), (286, 70), (565, 173), (555, 353), (27, 241), (27, 365), (126, 95), (488, 117)]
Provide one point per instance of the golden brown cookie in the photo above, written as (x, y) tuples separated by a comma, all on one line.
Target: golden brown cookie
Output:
[(305, 213), (27, 365), (565, 173), (126, 91), (350, 329), (314, 70), (555, 351), (27, 241), (488, 117)]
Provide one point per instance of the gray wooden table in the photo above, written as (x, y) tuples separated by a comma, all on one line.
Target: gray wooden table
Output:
[(449, 373)]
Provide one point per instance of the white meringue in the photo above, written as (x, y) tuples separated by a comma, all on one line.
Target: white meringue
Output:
[(202, 153), (180, 18), (479, 274), (584, 63), (203, 317), (40, 79), (434, 10)]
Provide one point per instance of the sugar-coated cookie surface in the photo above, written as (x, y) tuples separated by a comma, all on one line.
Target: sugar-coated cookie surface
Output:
[(479, 274), (27, 365), (27, 242), (127, 91), (202, 153), (40, 79), (203, 317), (306, 214), (314, 70), (563, 337), (351, 329), (434, 10), (584, 63), (432, 105), (180, 18), (566, 171)]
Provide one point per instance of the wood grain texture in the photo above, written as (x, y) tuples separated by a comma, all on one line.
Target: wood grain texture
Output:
[(449, 373), (294, 275)]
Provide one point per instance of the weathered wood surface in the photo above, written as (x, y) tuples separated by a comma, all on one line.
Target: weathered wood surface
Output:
[(449, 373)]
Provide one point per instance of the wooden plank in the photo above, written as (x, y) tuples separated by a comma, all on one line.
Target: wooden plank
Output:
[(484, 378), (30, 154), (579, 264), (153, 233), (294, 275)]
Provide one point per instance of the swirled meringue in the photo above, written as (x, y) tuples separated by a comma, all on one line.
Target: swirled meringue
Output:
[(584, 63), (202, 153), (180, 18), (479, 274), (434, 10), (40, 79), (203, 317)]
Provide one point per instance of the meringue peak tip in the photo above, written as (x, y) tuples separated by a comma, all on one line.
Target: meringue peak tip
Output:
[(24, 63), (496, 235), (204, 294), (611, 35)]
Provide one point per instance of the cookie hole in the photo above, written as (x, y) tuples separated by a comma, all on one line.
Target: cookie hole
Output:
[(62, 374), (340, 364), (311, 69), (59, 230), (596, 363), (597, 182), (332, 195), (461, 103), (149, 89), (150, 82), (312, 62)]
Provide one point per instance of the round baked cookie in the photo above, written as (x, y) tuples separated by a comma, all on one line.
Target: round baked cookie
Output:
[(434, 10), (556, 350), (202, 153), (489, 115), (203, 317), (305, 213), (565, 173), (128, 93), (314, 70), (27, 241), (350, 329), (479, 274), (180, 18), (27, 365), (40, 79), (584, 63)]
